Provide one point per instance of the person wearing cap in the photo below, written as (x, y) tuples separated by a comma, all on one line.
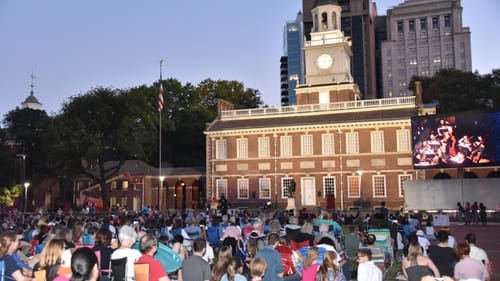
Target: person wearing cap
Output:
[(423, 241), (127, 237)]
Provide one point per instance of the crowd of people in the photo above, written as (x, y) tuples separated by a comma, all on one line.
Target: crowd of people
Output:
[(318, 246)]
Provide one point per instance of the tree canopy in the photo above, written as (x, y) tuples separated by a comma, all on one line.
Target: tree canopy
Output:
[(456, 91)]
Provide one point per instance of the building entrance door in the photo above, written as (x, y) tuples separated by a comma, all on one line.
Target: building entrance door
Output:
[(308, 191)]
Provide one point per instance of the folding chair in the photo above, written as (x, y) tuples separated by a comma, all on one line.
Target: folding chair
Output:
[(118, 269), (213, 236), (141, 271), (40, 275)]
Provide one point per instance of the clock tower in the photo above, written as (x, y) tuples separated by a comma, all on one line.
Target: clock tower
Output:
[(327, 59)]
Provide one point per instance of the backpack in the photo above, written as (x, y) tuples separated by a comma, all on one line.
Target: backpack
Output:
[(287, 260)]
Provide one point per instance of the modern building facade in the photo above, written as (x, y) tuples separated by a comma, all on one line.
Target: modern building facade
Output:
[(358, 25), (423, 36), (292, 62)]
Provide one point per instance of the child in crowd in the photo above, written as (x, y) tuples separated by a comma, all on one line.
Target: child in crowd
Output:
[(258, 267)]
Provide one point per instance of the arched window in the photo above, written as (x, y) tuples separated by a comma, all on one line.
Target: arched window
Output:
[(470, 175), (494, 174), (442, 176), (334, 21), (324, 21)]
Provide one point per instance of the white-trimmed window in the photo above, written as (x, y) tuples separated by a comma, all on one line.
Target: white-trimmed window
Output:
[(401, 181), (329, 186), (264, 150), (286, 146), (306, 144), (265, 188), (221, 188), (285, 185), (352, 142), (377, 138), (379, 187), (124, 185), (403, 140), (327, 142), (112, 201), (353, 186), (243, 189), (241, 148), (221, 149)]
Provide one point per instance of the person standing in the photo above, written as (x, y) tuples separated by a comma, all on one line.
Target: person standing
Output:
[(195, 268), (367, 270), (482, 213)]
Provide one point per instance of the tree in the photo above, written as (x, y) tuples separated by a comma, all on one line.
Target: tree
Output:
[(231, 91), (456, 91), (104, 127)]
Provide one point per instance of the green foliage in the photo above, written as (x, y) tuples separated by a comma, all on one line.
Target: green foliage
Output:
[(104, 125), (8, 194), (457, 91), (115, 125)]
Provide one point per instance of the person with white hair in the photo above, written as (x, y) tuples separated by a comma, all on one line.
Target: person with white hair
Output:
[(127, 237)]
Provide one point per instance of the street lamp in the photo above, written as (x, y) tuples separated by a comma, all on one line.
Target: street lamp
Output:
[(26, 185), (162, 178)]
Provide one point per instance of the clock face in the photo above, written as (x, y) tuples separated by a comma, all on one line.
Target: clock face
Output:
[(324, 61)]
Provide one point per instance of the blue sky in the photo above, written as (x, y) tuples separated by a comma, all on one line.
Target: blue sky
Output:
[(73, 46)]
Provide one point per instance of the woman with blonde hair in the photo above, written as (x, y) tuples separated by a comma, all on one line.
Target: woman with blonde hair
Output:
[(310, 265), (9, 245), (415, 265), (50, 258), (330, 270)]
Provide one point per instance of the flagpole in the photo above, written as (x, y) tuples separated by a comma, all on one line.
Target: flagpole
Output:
[(160, 107)]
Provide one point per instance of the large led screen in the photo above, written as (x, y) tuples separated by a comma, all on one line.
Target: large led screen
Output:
[(459, 140)]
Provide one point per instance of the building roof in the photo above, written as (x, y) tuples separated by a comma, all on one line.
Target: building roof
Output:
[(325, 2), (319, 119), (139, 168), (31, 99)]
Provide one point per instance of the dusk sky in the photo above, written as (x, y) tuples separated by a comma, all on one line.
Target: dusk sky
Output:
[(74, 46)]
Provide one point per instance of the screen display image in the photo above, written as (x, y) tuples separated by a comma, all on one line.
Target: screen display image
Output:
[(458, 140)]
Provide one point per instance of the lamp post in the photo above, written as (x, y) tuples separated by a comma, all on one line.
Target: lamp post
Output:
[(26, 185), (162, 178)]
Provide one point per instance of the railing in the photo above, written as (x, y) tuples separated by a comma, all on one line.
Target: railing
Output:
[(310, 108)]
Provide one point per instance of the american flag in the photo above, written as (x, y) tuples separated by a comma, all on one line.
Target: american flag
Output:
[(160, 98)]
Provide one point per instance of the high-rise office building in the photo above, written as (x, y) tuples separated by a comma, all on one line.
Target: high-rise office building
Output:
[(423, 36), (292, 62), (357, 23)]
